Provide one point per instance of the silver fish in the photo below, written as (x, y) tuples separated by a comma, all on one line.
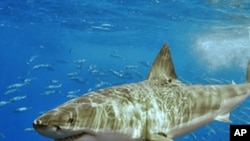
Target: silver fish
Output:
[(10, 91), (39, 66), (22, 109), (16, 85), (17, 98), (3, 103)]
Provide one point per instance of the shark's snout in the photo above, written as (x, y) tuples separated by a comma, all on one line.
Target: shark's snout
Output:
[(47, 130), (38, 125)]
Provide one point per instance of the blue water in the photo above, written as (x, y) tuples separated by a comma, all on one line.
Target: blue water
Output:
[(209, 39)]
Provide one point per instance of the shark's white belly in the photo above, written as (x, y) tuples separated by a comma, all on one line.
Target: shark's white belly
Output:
[(107, 136)]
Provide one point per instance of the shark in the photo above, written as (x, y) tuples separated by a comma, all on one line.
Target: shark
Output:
[(159, 108)]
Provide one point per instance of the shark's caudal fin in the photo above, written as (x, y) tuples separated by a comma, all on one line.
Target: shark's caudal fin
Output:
[(248, 72), (163, 67)]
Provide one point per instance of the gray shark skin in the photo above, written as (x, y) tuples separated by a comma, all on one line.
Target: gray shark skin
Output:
[(159, 108)]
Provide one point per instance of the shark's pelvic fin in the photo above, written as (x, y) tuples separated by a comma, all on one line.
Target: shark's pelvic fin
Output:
[(248, 72), (163, 67), (223, 118)]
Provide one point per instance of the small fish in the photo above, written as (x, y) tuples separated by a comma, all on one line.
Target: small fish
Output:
[(29, 129), (95, 72), (73, 92), (116, 73), (42, 112), (32, 58), (40, 66), (90, 90), (53, 81), (22, 109), (71, 96), (244, 114), (3, 103), (11, 91), (144, 63), (115, 55), (131, 67), (211, 130), (54, 86), (41, 47), (138, 74), (16, 85), (27, 80), (213, 80), (101, 84), (79, 61), (72, 74), (50, 92), (91, 67), (17, 98), (78, 79)]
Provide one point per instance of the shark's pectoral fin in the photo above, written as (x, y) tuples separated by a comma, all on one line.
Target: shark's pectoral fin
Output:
[(160, 137), (163, 67), (223, 118)]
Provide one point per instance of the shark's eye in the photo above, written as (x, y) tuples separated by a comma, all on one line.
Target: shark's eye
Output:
[(162, 134), (71, 120), (58, 128)]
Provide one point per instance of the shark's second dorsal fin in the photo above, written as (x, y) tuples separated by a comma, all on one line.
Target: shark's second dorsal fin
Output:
[(163, 67), (248, 72)]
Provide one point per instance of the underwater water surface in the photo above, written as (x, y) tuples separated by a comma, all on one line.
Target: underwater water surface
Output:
[(53, 50)]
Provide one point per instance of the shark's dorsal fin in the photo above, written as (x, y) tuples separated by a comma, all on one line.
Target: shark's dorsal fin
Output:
[(248, 72), (163, 67)]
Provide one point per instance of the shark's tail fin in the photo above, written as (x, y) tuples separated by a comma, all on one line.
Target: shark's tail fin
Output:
[(248, 72)]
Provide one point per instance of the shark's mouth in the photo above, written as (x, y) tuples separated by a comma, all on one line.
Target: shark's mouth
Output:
[(60, 134), (75, 137), (93, 136), (65, 134)]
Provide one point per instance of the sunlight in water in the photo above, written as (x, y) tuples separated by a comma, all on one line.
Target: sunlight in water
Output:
[(222, 48)]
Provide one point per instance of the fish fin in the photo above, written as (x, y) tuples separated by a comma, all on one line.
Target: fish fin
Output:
[(248, 72), (163, 67), (160, 137), (223, 118)]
